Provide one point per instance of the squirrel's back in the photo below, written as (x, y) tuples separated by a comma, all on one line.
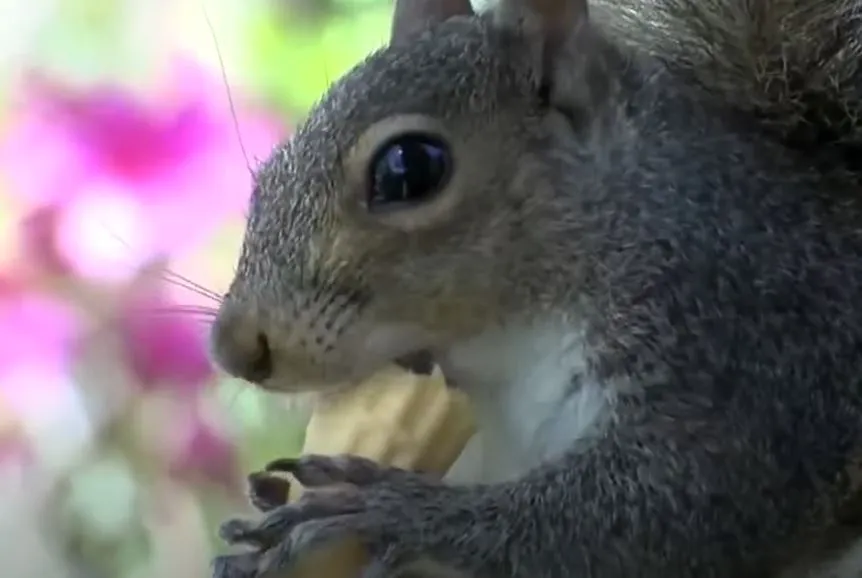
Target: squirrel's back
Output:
[(793, 66)]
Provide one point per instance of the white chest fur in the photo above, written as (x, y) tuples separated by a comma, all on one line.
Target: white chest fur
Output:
[(533, 396)]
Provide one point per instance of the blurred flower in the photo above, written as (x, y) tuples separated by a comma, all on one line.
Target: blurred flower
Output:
[(187, 439), (14, 449), (205, 452), (80, 236), (38, 240), (11, 212), (38, 337), (165, 345), (130, 175), (35, 332)]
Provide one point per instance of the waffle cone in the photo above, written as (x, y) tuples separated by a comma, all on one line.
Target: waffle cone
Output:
[(396, 418)]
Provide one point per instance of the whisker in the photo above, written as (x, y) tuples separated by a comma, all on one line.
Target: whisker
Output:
[(197, 309), (183, 282), (227, 89), (234, 398), (230, 392), (170, 276), (181, 310)]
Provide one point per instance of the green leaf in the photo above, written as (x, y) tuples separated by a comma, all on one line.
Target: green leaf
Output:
[(295, 63), (267, 430), (103, 495), (242, 402)]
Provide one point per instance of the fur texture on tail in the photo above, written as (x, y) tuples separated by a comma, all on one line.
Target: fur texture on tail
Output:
[(794, 65)]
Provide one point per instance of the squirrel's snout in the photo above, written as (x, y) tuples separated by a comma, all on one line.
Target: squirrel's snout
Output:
[(240, 347)]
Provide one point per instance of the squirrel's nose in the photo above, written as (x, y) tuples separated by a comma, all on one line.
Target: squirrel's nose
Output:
[(239, 346)]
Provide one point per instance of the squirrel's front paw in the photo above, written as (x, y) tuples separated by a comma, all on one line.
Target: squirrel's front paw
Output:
[(388, 509)]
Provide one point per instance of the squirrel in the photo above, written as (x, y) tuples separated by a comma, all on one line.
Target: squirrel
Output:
[(632, 232)]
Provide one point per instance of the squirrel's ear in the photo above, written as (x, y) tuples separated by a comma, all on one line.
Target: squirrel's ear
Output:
[(556, 29), (411, 16)]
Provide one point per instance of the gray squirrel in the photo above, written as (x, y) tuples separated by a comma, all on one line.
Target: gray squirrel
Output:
[(632, 233)]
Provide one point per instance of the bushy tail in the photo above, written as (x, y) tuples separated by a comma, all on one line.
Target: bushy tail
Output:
[(794, 65)]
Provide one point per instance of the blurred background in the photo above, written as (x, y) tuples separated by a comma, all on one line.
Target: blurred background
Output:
[(128, 132)]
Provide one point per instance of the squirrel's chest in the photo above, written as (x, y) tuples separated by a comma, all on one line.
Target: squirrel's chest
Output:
[(533, 398)]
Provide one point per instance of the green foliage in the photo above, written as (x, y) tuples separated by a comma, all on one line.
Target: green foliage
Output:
[(294, 60), (151, 466)]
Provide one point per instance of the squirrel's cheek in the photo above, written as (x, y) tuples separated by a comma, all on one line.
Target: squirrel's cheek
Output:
[(340, 250)]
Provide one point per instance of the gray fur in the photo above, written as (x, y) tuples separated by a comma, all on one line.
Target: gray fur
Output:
[(792, 65), (666, 213)]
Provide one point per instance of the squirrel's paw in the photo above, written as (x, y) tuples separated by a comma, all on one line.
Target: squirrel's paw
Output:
[(267, 492), (388, 509), (315, 470)]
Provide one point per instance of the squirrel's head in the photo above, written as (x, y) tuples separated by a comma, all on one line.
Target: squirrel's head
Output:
[(399, 217)]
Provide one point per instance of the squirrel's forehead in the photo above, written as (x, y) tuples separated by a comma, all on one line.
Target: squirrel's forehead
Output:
[(451, 72), (454, 73)]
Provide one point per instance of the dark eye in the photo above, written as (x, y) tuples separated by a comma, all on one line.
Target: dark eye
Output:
[(408, 169)]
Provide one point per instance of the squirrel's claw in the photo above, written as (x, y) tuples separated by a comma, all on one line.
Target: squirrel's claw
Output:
[(345, 496), (243, 565), (275, 557), (267, 492), (281, 521), (305, 537), (313, 470)]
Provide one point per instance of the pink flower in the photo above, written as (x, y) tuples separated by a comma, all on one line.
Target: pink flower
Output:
[(205, 452), (14, 447), (187, 439), (38, 240), (35, 329), (38, 338), (133, 176), (164, 346)]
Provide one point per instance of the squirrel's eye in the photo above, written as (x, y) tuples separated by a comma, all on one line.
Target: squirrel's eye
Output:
[(408, 169)]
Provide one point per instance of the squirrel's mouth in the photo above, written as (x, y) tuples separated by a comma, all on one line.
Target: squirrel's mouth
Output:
[(421, 362)]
